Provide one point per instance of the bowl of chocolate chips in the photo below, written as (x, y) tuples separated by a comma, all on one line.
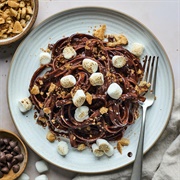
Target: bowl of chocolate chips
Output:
[(13, 155)]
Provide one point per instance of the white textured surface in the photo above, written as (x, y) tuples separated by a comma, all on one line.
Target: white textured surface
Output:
[(25, 62)]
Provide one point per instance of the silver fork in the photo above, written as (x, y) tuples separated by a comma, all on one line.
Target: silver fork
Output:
[(150, 77)]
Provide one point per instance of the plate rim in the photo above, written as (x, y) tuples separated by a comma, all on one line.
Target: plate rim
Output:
[(105, 9)]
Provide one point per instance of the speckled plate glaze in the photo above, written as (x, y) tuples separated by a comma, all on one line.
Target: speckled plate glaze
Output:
[(83, 20)]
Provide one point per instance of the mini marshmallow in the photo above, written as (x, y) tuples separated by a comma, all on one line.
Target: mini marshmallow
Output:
[(118, 61), (41, 177), (109, 152), (103, 145), (114, 91), (69, 52), (96, 151), (137, 49), (96, 79), (79, 98), (41, 166), (90, 65), (68, 81), (81, 113), (45, 58), (24, 176), (62, 148), (25, 104)]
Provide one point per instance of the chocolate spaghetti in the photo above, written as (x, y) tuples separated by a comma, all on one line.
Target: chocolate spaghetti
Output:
[(59, 116)]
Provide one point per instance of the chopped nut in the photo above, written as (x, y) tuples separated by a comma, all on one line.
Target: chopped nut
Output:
[(13, 4), (124, 142), (99, 33), (29, 10), (47, 110), (9, 30), (119, 147), (139, 71), (22, 4), (13, 12), (17, 28), (23, 13), (23, 23), (144, 83), (52, 87), (103, 110), (28, 17), (2, 21), (42, 119), (81, 147), (40, 82), (117, 40), (35, 90), (50, 137), (89, 98)]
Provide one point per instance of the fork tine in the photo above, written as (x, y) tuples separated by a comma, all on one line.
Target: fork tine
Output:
[(145, 66), (150, 69), (154, 72)]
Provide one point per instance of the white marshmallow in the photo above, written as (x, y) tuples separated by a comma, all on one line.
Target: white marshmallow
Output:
[(137, 49), (110, 152), (90, 65), (62, 148), (24, 176), (81, 113), (79, 98), (96, 79), (41, 166), (45, 58), (114, 91), (96, 151), (69, 52), (105, 147), (41, 177), (118, 61), (103, 144), (68, 81), (25, 104)]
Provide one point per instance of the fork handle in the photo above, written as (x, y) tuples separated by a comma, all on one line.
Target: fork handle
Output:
[(137, 167)]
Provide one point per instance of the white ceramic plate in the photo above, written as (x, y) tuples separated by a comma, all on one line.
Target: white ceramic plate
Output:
[(26, 61)]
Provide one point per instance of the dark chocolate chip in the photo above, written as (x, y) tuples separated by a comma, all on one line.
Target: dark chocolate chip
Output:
[(17, 149), (3, 147), (9, 165), (1, 141), (9, 157), (9, 148), (13, 144), (6, 141), (14, 161), (5, 170), (19, 157), (2, 153), (16, 168), (1, 174), (3, 159), (6, 151), (13, 153), (2, 164)]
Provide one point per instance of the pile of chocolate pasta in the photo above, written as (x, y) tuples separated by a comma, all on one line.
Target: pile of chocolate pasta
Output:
[(107, 118)]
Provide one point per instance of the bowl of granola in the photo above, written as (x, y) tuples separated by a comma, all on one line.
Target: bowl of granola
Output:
[(16, 19)]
